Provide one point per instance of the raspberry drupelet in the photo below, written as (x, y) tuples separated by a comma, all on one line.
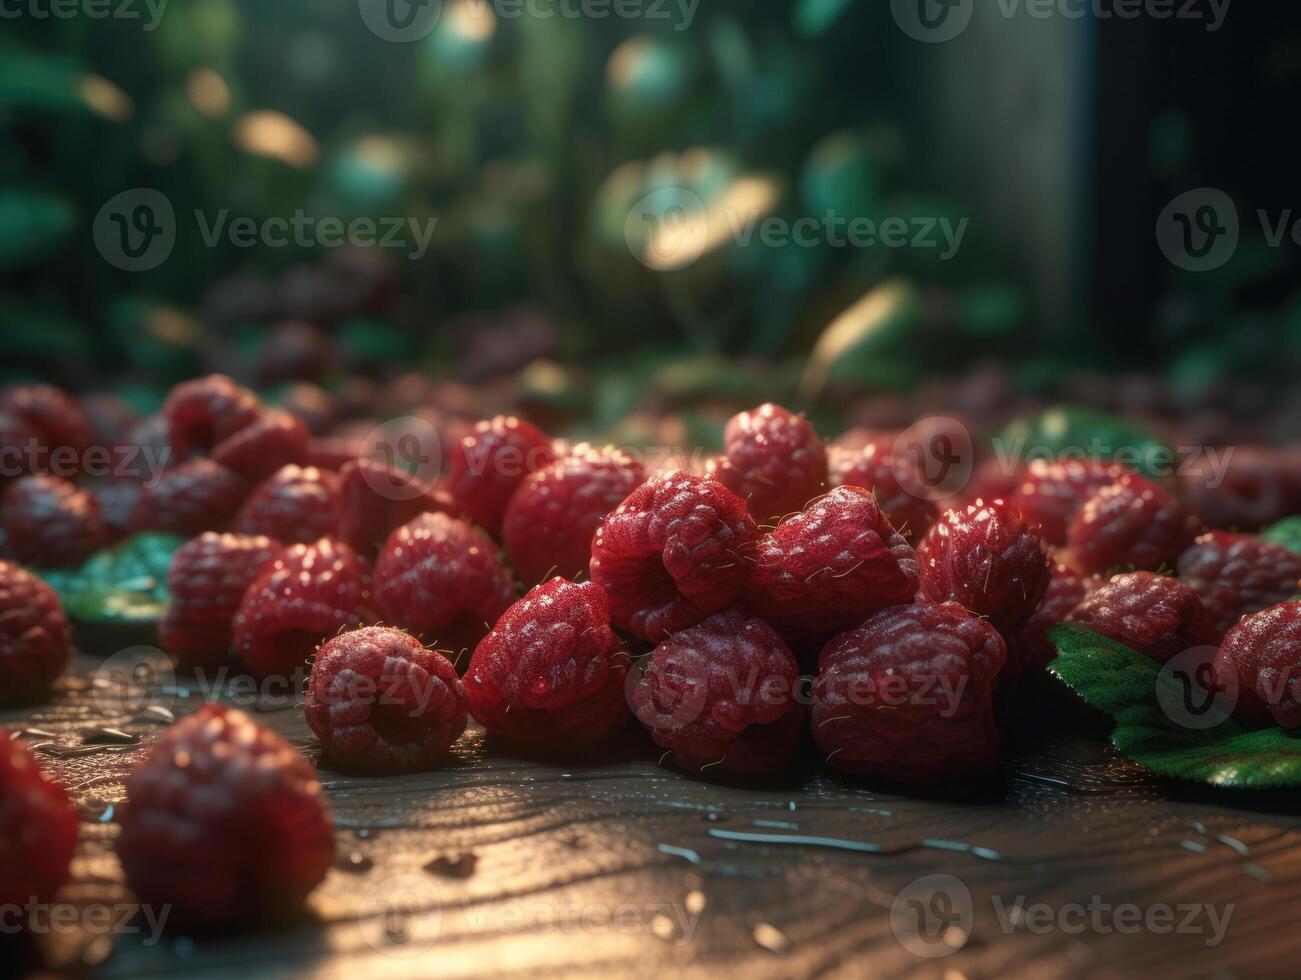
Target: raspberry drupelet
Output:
[(1153, 614), (35, 646), (773, 460), (486, 466)]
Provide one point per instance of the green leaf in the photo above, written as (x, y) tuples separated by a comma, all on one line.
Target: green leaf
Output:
[(851, 345), (1073, 432), (123, 584), (1286, 532), (32, 224), (1132, 689)]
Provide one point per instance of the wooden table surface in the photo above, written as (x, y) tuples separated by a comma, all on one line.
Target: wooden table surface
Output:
[(1066, 862)]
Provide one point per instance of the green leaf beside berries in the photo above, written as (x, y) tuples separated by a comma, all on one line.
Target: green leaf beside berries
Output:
[(1133, 689), (1286, 532), (125, 584)]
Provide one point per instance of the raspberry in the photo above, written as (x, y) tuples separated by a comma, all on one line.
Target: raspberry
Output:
[(986, 559), (190, 498), (34, 642), (204, 412), (225, 824), (907, 696), (441, 578), (38, 831), (332, 453), (827, 569), (1131, 523), (1235, 574), (306, 594), (382, 703), (17, 438), (1051, 494), (1028, 648), (51, 523), (258, 450), (887, 476), (1153, 614), (487, 466), (551, 673), (676, 550), (773, 460), (994, 479), (556, 510), (1264, 652), (1246, 489), (207, 579), (56, 417), (117, 504), (374, 499), (295, 504), (723, 693)]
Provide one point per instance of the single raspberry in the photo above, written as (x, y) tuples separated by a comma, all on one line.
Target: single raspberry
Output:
[(1153, 614), (1131, 523), (258, 450), (985, 558), (1051, 494), (1263, 654), (827, 569), (773, 460), (34, 642), (552, 516), (207, 580), (1244, 489), (382, 703), (57, 418), (907, 696), (1237, 574), (51, 523), (374, 499), (551, 673), (190, 498), (888, 477), (38, 831), (441, 578), (295, 504), (305, 595), (994, 479), (1028, 648), (677, 549), (206, 411), (723, 694), (225, 824), (486, 467)]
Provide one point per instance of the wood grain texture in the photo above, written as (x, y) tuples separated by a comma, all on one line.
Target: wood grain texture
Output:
[(609, 868)]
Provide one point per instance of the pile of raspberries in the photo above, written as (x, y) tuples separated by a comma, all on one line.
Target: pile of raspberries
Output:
[(786, 594)]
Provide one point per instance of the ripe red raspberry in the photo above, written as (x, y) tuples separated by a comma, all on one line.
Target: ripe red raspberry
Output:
[(295, 504), (38, 830), (907, 696), (993, 479), (1263, 653), (224, 823), (1051, 494), (258, 450), (34, 640), (374, 499), (51, 523), (1130, 523), (1028, 648), (773, 460), (985, 558), (1153, 614), (1245, 489), (206, 411), (723, 694), (486, 467), (382, 703), (827, 569), (207, 580), (1237, 574), (888, 477), (678, 549), (551, 673), (305, 595), (556, 510), (441, 578), (190, 498), (57, 418)]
